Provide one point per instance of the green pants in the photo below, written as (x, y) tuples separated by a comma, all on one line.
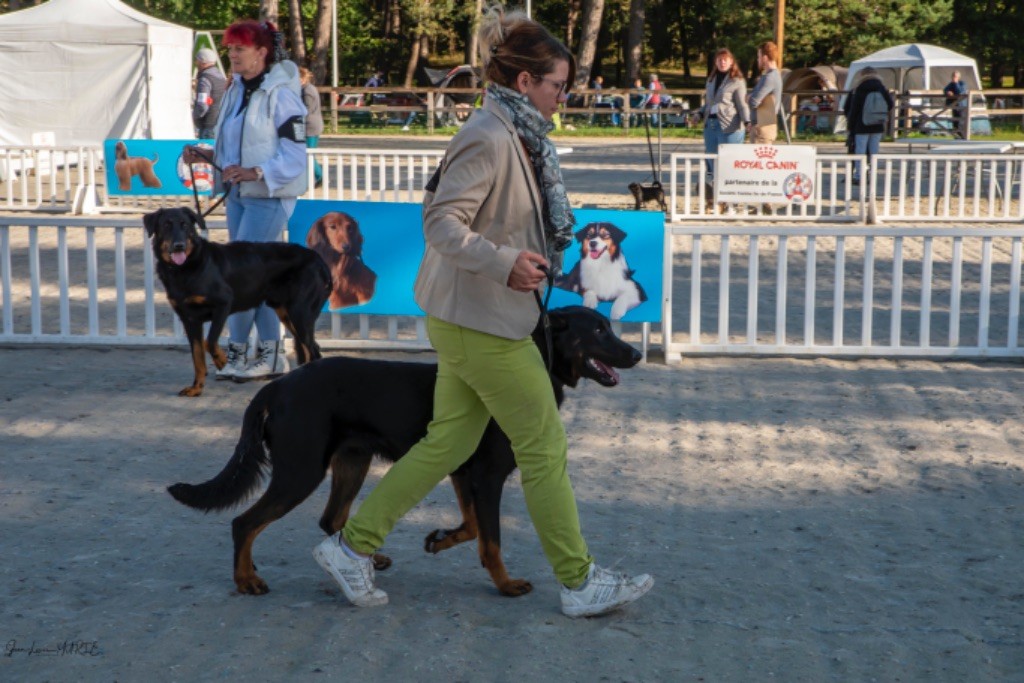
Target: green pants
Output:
[(478, 376)]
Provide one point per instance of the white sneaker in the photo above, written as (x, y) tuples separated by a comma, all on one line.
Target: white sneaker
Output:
[(236, 361), (269, 362), (405, 127), (354, 576), (602, 592)]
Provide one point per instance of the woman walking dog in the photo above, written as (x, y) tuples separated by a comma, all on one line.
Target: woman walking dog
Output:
[(499, 213), (261, 145)]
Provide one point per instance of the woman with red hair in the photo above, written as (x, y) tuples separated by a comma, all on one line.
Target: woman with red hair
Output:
[(261, 147)]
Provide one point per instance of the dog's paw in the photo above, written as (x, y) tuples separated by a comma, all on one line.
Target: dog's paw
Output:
[(435, 541), (251, 584), (220, 359), (191, 391), (513, 588), (381, 562), (442, 539)]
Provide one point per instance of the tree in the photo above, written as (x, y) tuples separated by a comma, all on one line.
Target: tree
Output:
[(635, 40), (589, 29), (990, 31), (317, 60)]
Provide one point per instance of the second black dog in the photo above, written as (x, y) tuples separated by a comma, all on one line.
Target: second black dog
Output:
[(340, 412), (206, 281), (653, 192)]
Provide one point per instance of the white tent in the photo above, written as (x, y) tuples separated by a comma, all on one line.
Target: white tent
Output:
[(915, 66), (88, 70)]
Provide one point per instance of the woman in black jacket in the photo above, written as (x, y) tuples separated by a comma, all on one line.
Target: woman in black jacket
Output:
[(867, 135)]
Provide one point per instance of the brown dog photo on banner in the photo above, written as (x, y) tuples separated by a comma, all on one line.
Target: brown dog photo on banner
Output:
[(336, 237), (125, 167)]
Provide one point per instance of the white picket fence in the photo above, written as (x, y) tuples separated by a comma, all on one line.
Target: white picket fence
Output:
[(770, 290), (91, 280), (394, 175), (842, 291), (880, 290), (834, 198), (49, 178), (906, 187)]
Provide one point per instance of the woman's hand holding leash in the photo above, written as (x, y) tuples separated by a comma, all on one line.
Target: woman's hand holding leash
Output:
[(235, 174), (527, 273)]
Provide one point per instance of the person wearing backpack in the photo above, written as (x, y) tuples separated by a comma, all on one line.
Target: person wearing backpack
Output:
[(867, 111)]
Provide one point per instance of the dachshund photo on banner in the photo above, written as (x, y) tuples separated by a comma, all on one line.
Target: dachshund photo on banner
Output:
[(335, 236)]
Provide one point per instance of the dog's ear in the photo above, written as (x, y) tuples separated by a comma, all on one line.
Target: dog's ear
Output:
[(193, 216), (315, 236), (616, 232), (559, 321), (151, 220), (581, 234)]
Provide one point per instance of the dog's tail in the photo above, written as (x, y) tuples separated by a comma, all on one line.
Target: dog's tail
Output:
[(242, 474)]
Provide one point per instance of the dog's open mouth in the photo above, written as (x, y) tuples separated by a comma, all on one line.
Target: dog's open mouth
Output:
[(606, 375), (178, 257)]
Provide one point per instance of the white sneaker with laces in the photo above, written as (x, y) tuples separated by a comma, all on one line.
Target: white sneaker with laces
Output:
[(269, 362), (602, 592), (355, 576), (236, 361)]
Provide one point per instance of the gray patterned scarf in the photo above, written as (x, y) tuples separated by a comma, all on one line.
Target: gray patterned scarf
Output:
[(533, 129)]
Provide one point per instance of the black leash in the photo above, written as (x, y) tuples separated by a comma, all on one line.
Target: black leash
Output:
[(655, 170), (545, 321), (195, 192)]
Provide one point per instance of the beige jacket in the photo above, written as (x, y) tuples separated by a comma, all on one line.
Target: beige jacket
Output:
[(487, 208)]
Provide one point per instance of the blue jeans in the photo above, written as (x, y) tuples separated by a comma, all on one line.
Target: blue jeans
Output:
[(256, 219), (713, 137), (865, 142)]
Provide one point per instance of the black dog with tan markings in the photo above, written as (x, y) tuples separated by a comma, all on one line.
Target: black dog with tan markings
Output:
[(339, 412), (206, 282)]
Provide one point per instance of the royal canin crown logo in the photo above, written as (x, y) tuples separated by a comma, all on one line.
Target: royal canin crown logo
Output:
[(765, 152)]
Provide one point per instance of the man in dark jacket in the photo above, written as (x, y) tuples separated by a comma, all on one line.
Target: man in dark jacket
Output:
[(955, 99), (210, 83), (867, 136)]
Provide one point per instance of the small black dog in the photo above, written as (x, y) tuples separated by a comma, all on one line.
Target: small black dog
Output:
[(339, 412), (205, 282), (648, 193)]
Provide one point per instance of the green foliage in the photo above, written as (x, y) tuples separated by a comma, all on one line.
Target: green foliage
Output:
[(678, 33)]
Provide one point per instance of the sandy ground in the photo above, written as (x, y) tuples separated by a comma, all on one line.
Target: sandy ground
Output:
[(804, 520)]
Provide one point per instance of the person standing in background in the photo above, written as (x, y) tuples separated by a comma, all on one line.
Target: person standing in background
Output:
[(261, 145), (867, 134), (314, 118), (766, 98), (210, 84), (955, 100), (726, 114)]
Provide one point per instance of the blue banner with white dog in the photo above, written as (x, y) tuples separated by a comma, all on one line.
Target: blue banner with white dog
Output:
[(374, 249), (155, 167)]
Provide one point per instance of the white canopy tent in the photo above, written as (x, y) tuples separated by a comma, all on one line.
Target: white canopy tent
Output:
[(89, 70), (916, 66)]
